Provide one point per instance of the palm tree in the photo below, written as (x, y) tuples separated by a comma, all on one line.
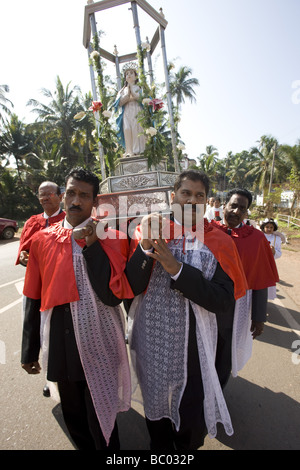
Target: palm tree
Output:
[(293, 156), (16, 142), (207, 165), (223, 166), (49, 153), (237, 168), (207, 162), (56, 119), (182, 87), (211, 151), (84, 139), (262, 165), (3, 103)]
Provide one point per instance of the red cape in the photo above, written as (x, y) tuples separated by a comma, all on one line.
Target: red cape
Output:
[(255, 253), (50, 274), (224, 251), (34, 224)]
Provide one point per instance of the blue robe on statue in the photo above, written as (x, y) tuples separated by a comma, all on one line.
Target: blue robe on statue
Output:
[(119, 121)]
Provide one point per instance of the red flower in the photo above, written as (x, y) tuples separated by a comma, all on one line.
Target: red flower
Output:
[(96, 106), (156, 104)]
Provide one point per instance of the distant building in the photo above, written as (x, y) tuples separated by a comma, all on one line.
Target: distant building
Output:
[(286, 199), (259, 200), (186, 162)]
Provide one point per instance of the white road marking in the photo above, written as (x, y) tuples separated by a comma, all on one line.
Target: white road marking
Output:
[(19, 287), (12, 282), (294, 326), (12, 304)]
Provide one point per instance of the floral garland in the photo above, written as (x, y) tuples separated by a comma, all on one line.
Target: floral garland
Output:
[(105, 133), (151, 116), (152, 119)]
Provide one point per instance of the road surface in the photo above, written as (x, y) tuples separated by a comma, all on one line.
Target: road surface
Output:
[(264, 401)]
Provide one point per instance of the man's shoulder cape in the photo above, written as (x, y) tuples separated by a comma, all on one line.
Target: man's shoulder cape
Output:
[(256, 255), (219, 244), (50, 275), (34, 224)]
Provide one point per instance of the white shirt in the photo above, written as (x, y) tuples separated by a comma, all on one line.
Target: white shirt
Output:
[(83, 224), (212, 212), (275, 241), (46, 216)]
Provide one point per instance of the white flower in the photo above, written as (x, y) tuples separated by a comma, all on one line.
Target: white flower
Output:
[(94, 133), (181, 147), (146, 100), (79, 115), (107, 114), (94, 55), (146, 45), (151, 131)]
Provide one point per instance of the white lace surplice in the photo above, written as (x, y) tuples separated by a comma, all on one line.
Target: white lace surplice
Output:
[(100, 338), (242, 340), (159, 324)]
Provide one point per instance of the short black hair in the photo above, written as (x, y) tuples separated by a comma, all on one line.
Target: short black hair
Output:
[(241, 192), (269, 221), (194, 175), (87, 176)]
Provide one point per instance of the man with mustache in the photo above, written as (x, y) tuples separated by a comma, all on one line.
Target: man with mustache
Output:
[(259, 267), (255, 253), (74, 288), (185, 283)]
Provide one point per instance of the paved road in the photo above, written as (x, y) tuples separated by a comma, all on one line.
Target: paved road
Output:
[(264, 401)]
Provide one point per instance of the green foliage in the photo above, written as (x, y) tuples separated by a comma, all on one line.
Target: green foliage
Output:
[(182, 85), (294, 180), (49, 147), (271, 201), (105, 132), (153, 122), (141, 73), (16, 200), (108, 139), (5, 104), (251, 169)]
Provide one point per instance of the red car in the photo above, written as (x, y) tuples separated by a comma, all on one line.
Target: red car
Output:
[(8, 228)]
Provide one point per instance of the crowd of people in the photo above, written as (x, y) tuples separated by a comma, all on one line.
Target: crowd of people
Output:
[(196, 291)]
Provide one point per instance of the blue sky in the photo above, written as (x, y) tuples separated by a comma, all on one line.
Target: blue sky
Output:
[(245, 54)]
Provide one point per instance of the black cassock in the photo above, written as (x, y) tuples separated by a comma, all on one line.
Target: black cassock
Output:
[(217, 296)]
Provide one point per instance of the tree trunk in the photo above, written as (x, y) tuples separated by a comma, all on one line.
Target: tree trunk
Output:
[(269, 209), (293, 203)]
